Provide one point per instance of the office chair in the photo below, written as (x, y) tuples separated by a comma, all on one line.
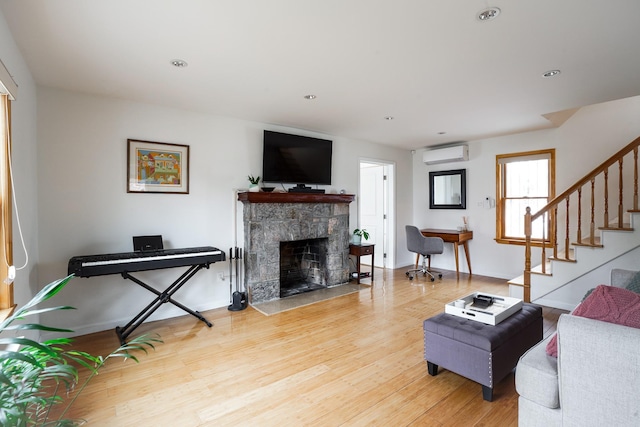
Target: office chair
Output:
[(425, 246)]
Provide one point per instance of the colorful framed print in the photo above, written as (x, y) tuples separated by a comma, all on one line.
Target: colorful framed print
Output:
[(157, 167)]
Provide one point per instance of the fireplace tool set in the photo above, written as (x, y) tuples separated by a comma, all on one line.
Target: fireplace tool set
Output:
[(238, 298)]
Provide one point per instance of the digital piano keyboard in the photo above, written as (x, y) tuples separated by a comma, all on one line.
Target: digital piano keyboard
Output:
[(125, 263), (118, 263)]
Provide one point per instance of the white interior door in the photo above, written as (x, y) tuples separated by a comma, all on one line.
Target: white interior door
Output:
[(374, 202)]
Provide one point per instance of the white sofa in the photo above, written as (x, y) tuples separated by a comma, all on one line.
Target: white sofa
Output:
[(595, 381)]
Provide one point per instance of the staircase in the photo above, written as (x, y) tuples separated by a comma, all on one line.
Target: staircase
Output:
[(572, 254)]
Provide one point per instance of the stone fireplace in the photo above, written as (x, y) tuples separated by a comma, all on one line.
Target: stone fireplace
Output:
[(311, 230)]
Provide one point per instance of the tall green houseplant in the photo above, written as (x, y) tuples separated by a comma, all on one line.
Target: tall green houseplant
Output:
[(34, 374)]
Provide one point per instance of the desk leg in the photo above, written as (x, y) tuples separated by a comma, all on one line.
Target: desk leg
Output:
[(466, 252), (455, 250), (417, 260)]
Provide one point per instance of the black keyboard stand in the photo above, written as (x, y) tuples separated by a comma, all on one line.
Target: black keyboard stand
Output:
[(162, 297)]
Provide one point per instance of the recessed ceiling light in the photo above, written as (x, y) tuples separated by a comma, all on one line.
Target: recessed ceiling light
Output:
[(489, 14), (310, 97), (179, 63), (388, 118), (551, 73)]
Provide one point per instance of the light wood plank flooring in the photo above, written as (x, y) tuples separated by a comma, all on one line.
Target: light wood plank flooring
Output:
[(356, 360)]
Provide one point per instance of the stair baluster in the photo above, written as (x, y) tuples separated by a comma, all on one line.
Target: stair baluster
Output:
[(579, 232), (620, 196)]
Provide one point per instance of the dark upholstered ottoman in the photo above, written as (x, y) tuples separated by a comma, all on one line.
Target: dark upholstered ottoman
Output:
[(483, 353)]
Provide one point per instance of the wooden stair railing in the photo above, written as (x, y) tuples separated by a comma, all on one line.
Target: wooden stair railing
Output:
[(549, 213)]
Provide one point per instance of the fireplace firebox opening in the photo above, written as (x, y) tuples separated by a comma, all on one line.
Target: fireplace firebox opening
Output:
[(303, 266)]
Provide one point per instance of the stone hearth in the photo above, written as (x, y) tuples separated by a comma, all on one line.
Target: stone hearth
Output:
[(271, 218)]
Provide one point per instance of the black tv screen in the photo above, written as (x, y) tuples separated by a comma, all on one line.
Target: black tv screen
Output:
[(295, 159)]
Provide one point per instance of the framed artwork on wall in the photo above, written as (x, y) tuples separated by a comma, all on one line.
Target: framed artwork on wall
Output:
[(157, 167)]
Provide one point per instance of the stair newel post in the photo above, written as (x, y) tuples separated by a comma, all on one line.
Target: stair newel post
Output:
[(544, 247), (592, 226), (555, 231), (527, 255), (551, 237), (606, 197), (635, 179), (620, 202)]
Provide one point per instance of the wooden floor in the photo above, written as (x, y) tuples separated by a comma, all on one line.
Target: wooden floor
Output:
[(356, 360)]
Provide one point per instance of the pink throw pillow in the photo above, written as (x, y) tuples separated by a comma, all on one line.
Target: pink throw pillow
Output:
[(608, 304)]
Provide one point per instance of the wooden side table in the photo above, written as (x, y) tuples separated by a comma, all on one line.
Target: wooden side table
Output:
[(361, 250)]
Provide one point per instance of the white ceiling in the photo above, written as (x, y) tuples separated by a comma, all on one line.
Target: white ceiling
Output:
[(431, 64)]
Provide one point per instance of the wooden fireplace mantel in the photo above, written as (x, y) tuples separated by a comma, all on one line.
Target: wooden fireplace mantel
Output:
[(264, 197)]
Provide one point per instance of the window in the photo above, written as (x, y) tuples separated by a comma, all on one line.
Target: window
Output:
[(8, 90), (523, 179), (6, 291)]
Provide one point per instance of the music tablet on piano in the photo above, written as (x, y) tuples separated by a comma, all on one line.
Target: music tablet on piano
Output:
[(147, 243)]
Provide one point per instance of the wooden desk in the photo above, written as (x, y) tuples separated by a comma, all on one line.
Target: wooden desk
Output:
[(359, 251), (451, 236)]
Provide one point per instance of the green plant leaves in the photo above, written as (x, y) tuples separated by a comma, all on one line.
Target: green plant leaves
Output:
[(25, 398), (362, 233)]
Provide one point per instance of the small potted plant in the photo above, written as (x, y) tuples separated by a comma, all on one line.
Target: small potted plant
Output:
[(359, 234), (253, 183)]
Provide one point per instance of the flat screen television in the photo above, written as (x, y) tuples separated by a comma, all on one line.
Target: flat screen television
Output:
[(294, 159)]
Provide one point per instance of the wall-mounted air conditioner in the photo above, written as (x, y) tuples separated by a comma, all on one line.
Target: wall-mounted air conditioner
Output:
[(456, 153)]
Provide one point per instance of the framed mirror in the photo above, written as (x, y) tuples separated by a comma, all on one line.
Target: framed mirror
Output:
[(448, 189)]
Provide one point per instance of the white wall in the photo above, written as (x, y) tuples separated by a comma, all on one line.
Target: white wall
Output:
[(593, 134), (85, 209), (24, 167)]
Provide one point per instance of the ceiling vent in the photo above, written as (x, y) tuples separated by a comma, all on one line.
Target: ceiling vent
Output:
[(457, 153)]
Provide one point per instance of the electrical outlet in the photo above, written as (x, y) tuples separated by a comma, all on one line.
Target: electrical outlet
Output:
[(221, 277)]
